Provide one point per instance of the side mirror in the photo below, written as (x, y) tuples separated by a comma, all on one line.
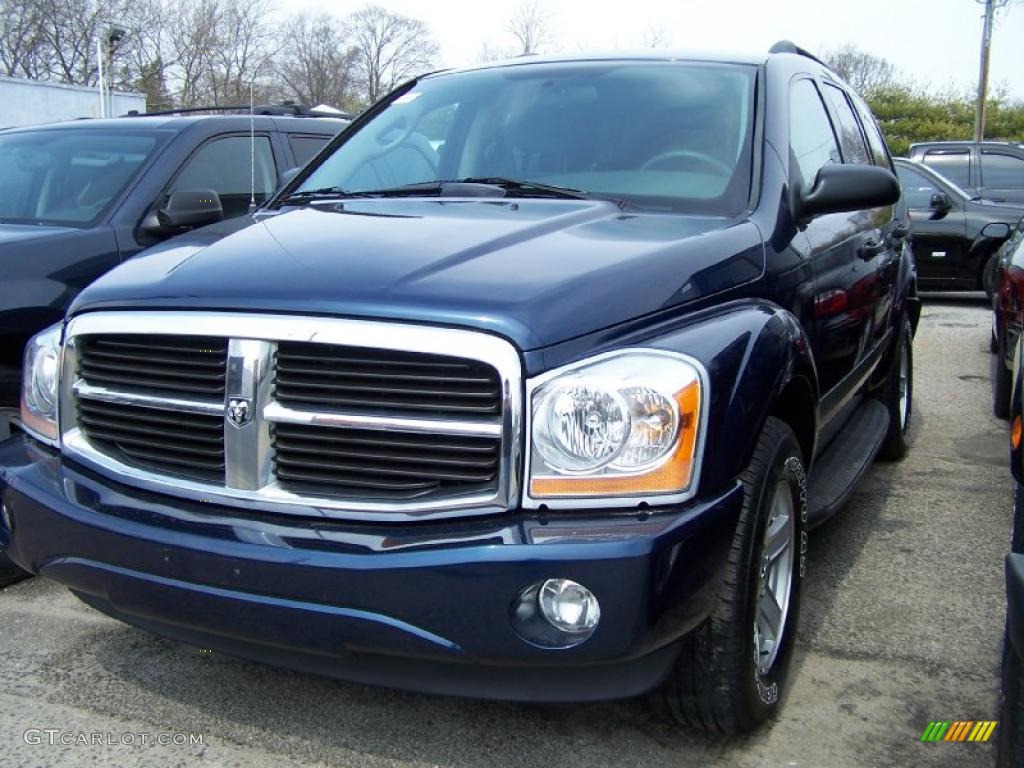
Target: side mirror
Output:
[(940, 202), (839, 188), (191, 208), (996, 230), (185, 209)]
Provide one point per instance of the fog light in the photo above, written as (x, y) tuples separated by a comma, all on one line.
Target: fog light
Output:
[(569, 606)]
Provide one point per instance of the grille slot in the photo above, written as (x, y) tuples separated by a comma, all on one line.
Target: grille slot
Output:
[(182, 444), (330, 460), (183, 365), (339, 377)]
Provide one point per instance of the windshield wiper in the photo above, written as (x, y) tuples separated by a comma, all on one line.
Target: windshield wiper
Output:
[(456, 187), (301, 196), (528, 188)]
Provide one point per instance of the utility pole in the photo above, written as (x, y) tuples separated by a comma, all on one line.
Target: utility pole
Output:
[(991, 6)]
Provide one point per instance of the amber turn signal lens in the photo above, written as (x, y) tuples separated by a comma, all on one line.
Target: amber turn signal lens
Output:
[(1015, 432), (672, 476)]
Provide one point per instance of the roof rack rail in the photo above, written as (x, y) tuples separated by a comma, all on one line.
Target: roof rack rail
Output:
[(287, 108), (788, 46)]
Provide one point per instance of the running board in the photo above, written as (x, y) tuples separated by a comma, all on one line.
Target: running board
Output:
[(838, 470)]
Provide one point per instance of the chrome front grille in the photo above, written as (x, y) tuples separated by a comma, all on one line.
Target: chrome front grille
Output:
[(296, 414)]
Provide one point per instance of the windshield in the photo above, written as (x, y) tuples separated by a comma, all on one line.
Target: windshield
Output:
[(64, 177), (663, 135)]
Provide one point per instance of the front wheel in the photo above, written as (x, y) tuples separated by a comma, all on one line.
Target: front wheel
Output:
[(732, 670)]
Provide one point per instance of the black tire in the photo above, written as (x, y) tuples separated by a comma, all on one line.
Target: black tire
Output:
[(9, 572), (1002, 382), (716, 684), (896, 444), (1010, 731)]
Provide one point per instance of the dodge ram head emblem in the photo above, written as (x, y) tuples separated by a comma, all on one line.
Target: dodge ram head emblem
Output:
[(239, 412)]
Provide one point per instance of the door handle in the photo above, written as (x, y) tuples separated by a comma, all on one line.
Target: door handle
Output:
[(869, 248)]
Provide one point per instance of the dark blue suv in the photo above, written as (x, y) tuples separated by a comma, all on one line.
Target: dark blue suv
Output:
[(528, 387)]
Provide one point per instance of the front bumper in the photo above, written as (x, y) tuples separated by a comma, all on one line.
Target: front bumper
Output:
[(424, 606)]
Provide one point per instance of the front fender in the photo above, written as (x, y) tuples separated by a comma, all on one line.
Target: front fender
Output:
[(752, 350)]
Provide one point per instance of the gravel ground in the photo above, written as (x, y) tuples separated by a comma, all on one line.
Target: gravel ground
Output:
[(902, 624)]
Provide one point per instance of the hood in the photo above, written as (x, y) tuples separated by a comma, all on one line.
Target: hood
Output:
[(15, 233), (47, 266), (535, 271)]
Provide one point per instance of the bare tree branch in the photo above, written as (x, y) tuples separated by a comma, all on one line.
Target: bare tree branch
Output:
[(389, 48), (531, 27), (865, 72), (320, 67), (656, 36)]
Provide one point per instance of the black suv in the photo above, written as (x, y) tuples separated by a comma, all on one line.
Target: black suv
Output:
[(528, 387), (993, 170), (80, 197)]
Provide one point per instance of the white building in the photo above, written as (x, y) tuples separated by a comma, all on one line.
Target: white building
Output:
[(28, 102)]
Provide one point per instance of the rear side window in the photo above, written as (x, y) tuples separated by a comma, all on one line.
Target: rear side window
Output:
[(876, 142), (305, 147), (999, 170), (955, 166), (812, 143), (850, 138)]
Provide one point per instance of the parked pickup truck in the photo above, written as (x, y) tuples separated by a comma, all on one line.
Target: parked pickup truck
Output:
[(988, 170), (80, 197), (528, 387)]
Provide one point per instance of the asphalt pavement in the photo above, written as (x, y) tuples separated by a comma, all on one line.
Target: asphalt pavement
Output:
[(902, 623)]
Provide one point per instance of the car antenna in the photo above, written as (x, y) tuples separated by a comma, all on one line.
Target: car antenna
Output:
[(252, 155)]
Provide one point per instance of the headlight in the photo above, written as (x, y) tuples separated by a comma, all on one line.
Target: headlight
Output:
[(40, 383), (622, 425)]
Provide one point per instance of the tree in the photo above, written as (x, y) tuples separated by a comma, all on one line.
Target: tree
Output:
[(20, 39), (320, 67), (389, 48), (242, 54), (191, 47), (489, 52), (863, 71), (531, 27), (656, 36)]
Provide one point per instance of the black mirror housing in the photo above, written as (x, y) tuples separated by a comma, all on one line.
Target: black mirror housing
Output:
[(840, 188), (189, 208), (940, 202)]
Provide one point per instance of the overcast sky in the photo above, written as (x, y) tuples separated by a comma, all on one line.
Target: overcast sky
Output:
[(936, 42)]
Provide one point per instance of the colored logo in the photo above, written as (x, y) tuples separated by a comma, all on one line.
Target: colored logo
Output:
[(958, 730)]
